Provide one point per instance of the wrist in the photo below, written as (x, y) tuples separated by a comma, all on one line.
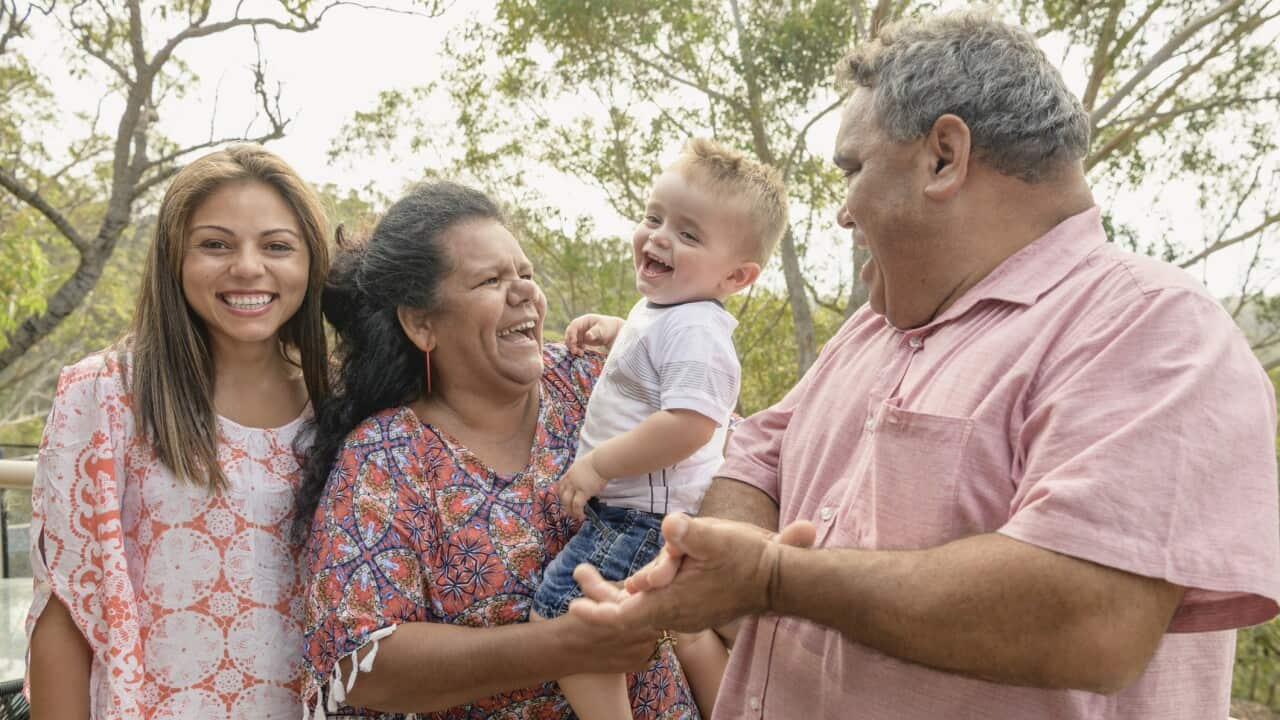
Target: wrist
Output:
[(770, 578), (597, 460)]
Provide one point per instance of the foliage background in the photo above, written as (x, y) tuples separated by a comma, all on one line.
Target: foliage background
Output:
[(546, 102)]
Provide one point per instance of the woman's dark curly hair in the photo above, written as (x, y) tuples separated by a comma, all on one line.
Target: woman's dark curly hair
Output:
[(376, 365)]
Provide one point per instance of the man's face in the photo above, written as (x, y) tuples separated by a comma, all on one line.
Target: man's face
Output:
[(884, 208)]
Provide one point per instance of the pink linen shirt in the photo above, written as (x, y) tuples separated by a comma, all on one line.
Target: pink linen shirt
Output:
[(1079, 398)]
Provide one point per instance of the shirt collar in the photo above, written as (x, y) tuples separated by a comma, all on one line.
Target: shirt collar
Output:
[(1029, 273)]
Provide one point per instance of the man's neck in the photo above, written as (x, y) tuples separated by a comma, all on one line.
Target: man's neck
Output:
[(1007, 215)]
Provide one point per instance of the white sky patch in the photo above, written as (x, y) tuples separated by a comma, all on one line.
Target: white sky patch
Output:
[(329, 74)]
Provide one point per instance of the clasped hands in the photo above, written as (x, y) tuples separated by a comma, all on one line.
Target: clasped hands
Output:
[(709, 573)]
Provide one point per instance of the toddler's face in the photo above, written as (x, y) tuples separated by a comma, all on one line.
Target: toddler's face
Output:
[(689, 243)]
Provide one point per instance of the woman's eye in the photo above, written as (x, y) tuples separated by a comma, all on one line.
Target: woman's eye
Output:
[(213, 244), (280, 247)]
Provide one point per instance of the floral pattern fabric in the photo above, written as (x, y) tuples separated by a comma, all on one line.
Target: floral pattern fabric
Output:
[(189, 599), (413, 527)]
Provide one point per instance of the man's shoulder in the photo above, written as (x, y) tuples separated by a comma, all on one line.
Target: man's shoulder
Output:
[(1113, 276)]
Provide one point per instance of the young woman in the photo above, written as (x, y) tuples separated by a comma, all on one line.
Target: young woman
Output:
[(166, 584)]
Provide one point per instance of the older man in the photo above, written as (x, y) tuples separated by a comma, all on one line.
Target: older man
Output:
[(1040, 470)]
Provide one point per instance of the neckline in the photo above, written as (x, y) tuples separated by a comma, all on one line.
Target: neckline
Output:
[(663, 306), (302, 416), (460, 448)]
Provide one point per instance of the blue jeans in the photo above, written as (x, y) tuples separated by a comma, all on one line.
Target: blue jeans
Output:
[(628, 539)]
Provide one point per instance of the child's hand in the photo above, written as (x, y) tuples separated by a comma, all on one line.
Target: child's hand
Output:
[(578, 485), (597, 330)]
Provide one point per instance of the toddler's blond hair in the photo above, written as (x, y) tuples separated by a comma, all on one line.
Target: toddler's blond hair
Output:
[(731, 174)]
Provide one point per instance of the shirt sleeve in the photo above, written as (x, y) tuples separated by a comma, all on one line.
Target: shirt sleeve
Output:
[(1149, 446), (755, 444), (365, 556), (77, 541), (698, 369)]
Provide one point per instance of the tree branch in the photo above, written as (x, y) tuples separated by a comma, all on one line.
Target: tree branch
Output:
[(1160, 57), (1267, 221), (709, 92), (15, 186), (1137, 131), (1102, 55), (1197, 107), (804, 132), (15, 24)]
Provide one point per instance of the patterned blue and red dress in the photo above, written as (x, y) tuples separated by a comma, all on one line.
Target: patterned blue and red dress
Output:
[(413, 527)]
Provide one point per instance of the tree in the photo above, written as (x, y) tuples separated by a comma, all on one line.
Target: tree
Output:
[(1182, 96), (86, 195)]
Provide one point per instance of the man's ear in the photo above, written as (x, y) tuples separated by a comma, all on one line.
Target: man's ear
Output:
[(741, 277), (417, 325), (948, 147)]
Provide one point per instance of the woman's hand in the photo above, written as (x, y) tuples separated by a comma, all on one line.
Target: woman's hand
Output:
[(579, 484), (592, 330), (603, 649)]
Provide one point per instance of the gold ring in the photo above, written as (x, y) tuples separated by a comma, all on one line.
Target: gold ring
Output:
[(666, 639)]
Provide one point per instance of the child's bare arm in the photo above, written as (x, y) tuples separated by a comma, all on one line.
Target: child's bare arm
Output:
[(664, 438), (592, 330)]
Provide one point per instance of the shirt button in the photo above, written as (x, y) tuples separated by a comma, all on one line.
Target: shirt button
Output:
[(754, 702), (915, 341), (825, 513)]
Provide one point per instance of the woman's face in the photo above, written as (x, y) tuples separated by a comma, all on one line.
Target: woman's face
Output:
[(488, 329), (245, 264)]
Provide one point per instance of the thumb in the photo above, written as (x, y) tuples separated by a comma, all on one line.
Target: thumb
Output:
[(689, 536), (800, 533)]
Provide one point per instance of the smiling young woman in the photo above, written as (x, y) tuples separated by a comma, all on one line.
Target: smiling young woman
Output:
[(165, 578)]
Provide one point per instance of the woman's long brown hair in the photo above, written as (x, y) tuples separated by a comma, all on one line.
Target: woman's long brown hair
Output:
[(171, 369)]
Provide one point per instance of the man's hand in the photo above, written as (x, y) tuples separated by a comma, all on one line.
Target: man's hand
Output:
[(579, 484), (592, 330), (711, 571)]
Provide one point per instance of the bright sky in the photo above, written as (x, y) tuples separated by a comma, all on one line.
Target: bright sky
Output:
[(329, 74)]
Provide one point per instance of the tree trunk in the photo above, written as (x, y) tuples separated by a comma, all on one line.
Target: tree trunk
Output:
[(63, 303), (858, 290), (806, 342)]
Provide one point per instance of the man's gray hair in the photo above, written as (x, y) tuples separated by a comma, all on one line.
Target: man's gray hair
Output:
[(1022, 119)]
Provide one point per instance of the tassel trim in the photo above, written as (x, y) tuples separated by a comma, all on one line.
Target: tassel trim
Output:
[(337, 691)]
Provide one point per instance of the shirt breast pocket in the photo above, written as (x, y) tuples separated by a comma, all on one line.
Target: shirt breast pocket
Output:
[(911, 483)]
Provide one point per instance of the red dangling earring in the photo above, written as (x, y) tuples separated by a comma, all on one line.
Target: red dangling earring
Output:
[(427, 355)]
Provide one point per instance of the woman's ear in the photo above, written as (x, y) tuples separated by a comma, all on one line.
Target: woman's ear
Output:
[(417, 325), (948, 146)]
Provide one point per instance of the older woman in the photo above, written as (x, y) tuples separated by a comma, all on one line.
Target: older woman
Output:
[(431, 484)]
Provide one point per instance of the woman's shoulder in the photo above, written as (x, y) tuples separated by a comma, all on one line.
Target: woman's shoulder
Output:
[(90, 401), (391, 424), (105, 369), (573, 374)]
